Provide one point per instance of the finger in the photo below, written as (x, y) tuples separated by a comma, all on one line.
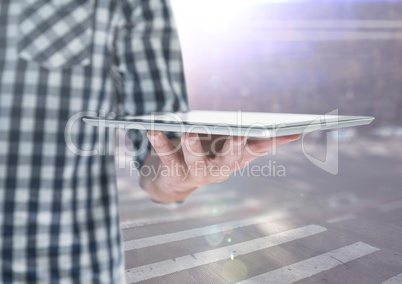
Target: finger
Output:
[(193, 152), (232, 152), (165, 149), (257, 148), (217, 144), (192, 147)]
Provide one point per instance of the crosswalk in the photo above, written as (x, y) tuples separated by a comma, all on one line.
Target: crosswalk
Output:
[(190, 261), (286, 274), (275, 234), (208, 230), (394, 280), (313, 266), (290, 232)]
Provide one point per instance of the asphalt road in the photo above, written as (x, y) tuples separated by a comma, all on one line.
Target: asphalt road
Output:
[(308, 226)]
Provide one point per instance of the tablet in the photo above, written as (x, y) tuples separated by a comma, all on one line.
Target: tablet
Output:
[(233, 123)]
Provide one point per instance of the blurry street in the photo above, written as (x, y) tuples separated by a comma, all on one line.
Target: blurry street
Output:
[(296, 222), (307, 227)]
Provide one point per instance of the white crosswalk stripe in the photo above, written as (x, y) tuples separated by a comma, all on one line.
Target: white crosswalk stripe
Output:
[(192, 233), (341, 218), (196, 211), (190, 261), (394, 280), (312, 266)]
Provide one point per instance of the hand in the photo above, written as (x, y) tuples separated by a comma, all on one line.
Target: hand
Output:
[(180, 167)]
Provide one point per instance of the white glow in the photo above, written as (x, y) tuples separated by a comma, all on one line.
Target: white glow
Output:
[(211, 16)]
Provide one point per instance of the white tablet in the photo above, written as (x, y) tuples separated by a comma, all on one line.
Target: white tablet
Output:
[(236, 123)]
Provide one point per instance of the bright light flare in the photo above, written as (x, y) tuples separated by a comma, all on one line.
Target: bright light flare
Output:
[(211, 16)]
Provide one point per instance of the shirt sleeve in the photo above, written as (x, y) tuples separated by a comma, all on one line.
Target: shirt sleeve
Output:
[(149, 60)]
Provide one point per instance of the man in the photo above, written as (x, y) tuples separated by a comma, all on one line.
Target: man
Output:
[(59, 216)]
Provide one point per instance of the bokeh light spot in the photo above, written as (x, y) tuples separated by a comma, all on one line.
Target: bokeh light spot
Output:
[(214, 237), (228, 229), (215, 208), (234, 271)]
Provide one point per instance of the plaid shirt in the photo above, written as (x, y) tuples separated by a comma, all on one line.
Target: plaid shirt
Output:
[(59, 213)]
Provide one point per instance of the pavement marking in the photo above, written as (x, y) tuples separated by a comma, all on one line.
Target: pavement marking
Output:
[(142, 198), (145, 204), (394, 280), (312, 266), (162, 268), (341, 218), (198, 232), (193, 212)]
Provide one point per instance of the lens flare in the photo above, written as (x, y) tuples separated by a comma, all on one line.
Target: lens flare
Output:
[(214, 239), (234, 271), (215, 208), (214, 236), (207, 15), (228, 229)]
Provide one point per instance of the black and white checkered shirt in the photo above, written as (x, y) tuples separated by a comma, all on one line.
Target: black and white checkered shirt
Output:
[(58, 210)]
